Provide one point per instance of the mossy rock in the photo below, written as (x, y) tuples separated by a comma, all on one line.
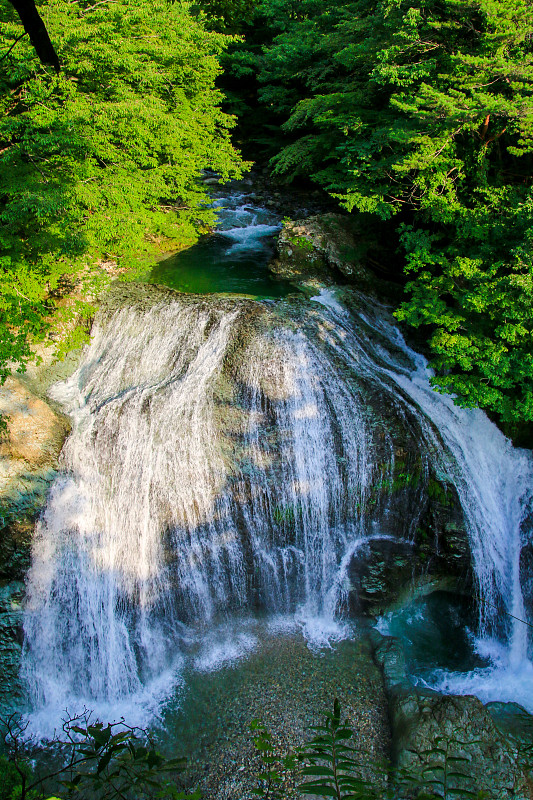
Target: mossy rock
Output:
[(327, 247)]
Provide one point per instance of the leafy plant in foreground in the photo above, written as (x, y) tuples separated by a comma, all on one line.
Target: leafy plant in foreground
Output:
[(334, 768), (441, 774), (330, 763), (110, 762)]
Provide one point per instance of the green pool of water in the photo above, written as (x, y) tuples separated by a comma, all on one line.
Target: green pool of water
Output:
[(287, 686), (209, 266), (232, 260)]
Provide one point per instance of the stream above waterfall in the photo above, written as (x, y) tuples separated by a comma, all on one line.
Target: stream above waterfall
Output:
[(234, 259), (238, 473)]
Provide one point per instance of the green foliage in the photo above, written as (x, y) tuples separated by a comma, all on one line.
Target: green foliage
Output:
[(475, 293), (104, 159), (91, 760), (420, 113), (10, 779), (283, 514), (229, 15)]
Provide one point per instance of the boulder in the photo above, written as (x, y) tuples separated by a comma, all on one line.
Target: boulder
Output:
[(453, 743), (447, 743), (29, 450), (324, 245)]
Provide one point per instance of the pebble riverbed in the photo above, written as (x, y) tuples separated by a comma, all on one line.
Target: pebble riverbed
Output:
[(288, 687)]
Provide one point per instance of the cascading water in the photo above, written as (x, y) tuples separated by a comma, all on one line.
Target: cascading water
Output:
[(494, 482), (223, 458)]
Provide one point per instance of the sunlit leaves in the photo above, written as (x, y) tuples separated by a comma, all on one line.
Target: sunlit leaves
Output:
[(103, 160), (423, 111)]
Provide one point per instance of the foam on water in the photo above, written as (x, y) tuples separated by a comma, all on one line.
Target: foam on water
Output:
[(247, 226), (224, 647), (140, 708), (505, 680)]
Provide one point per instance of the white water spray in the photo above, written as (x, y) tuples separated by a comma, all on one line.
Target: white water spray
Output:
[(223, 457)]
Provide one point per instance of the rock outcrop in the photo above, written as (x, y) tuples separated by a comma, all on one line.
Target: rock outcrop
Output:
[(29, 451), (447, 742), (326, 247)]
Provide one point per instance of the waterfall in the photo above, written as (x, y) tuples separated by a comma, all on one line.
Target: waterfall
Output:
[(493, 480), (224, 458)]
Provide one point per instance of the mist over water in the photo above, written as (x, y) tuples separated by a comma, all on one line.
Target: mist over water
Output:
[(220, 471)]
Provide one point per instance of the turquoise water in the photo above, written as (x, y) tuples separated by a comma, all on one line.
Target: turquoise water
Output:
[(232, 260), (437, 633), (446, 653)]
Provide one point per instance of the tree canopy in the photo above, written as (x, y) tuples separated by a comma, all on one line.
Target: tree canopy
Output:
[(104, 159), (420, 114)]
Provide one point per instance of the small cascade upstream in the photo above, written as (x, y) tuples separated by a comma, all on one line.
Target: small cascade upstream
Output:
[(223, 462), (233, 259)]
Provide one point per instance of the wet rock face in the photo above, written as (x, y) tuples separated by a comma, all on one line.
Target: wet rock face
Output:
[(11, 596), (322, 246), (457, 734), (526, 568), (516, 724), (386, 573), (29, 450), (417, 539), (434, 734)]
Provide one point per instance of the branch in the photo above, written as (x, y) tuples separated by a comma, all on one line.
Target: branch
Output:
[(484, 129), (17, 40), (36, 30)]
